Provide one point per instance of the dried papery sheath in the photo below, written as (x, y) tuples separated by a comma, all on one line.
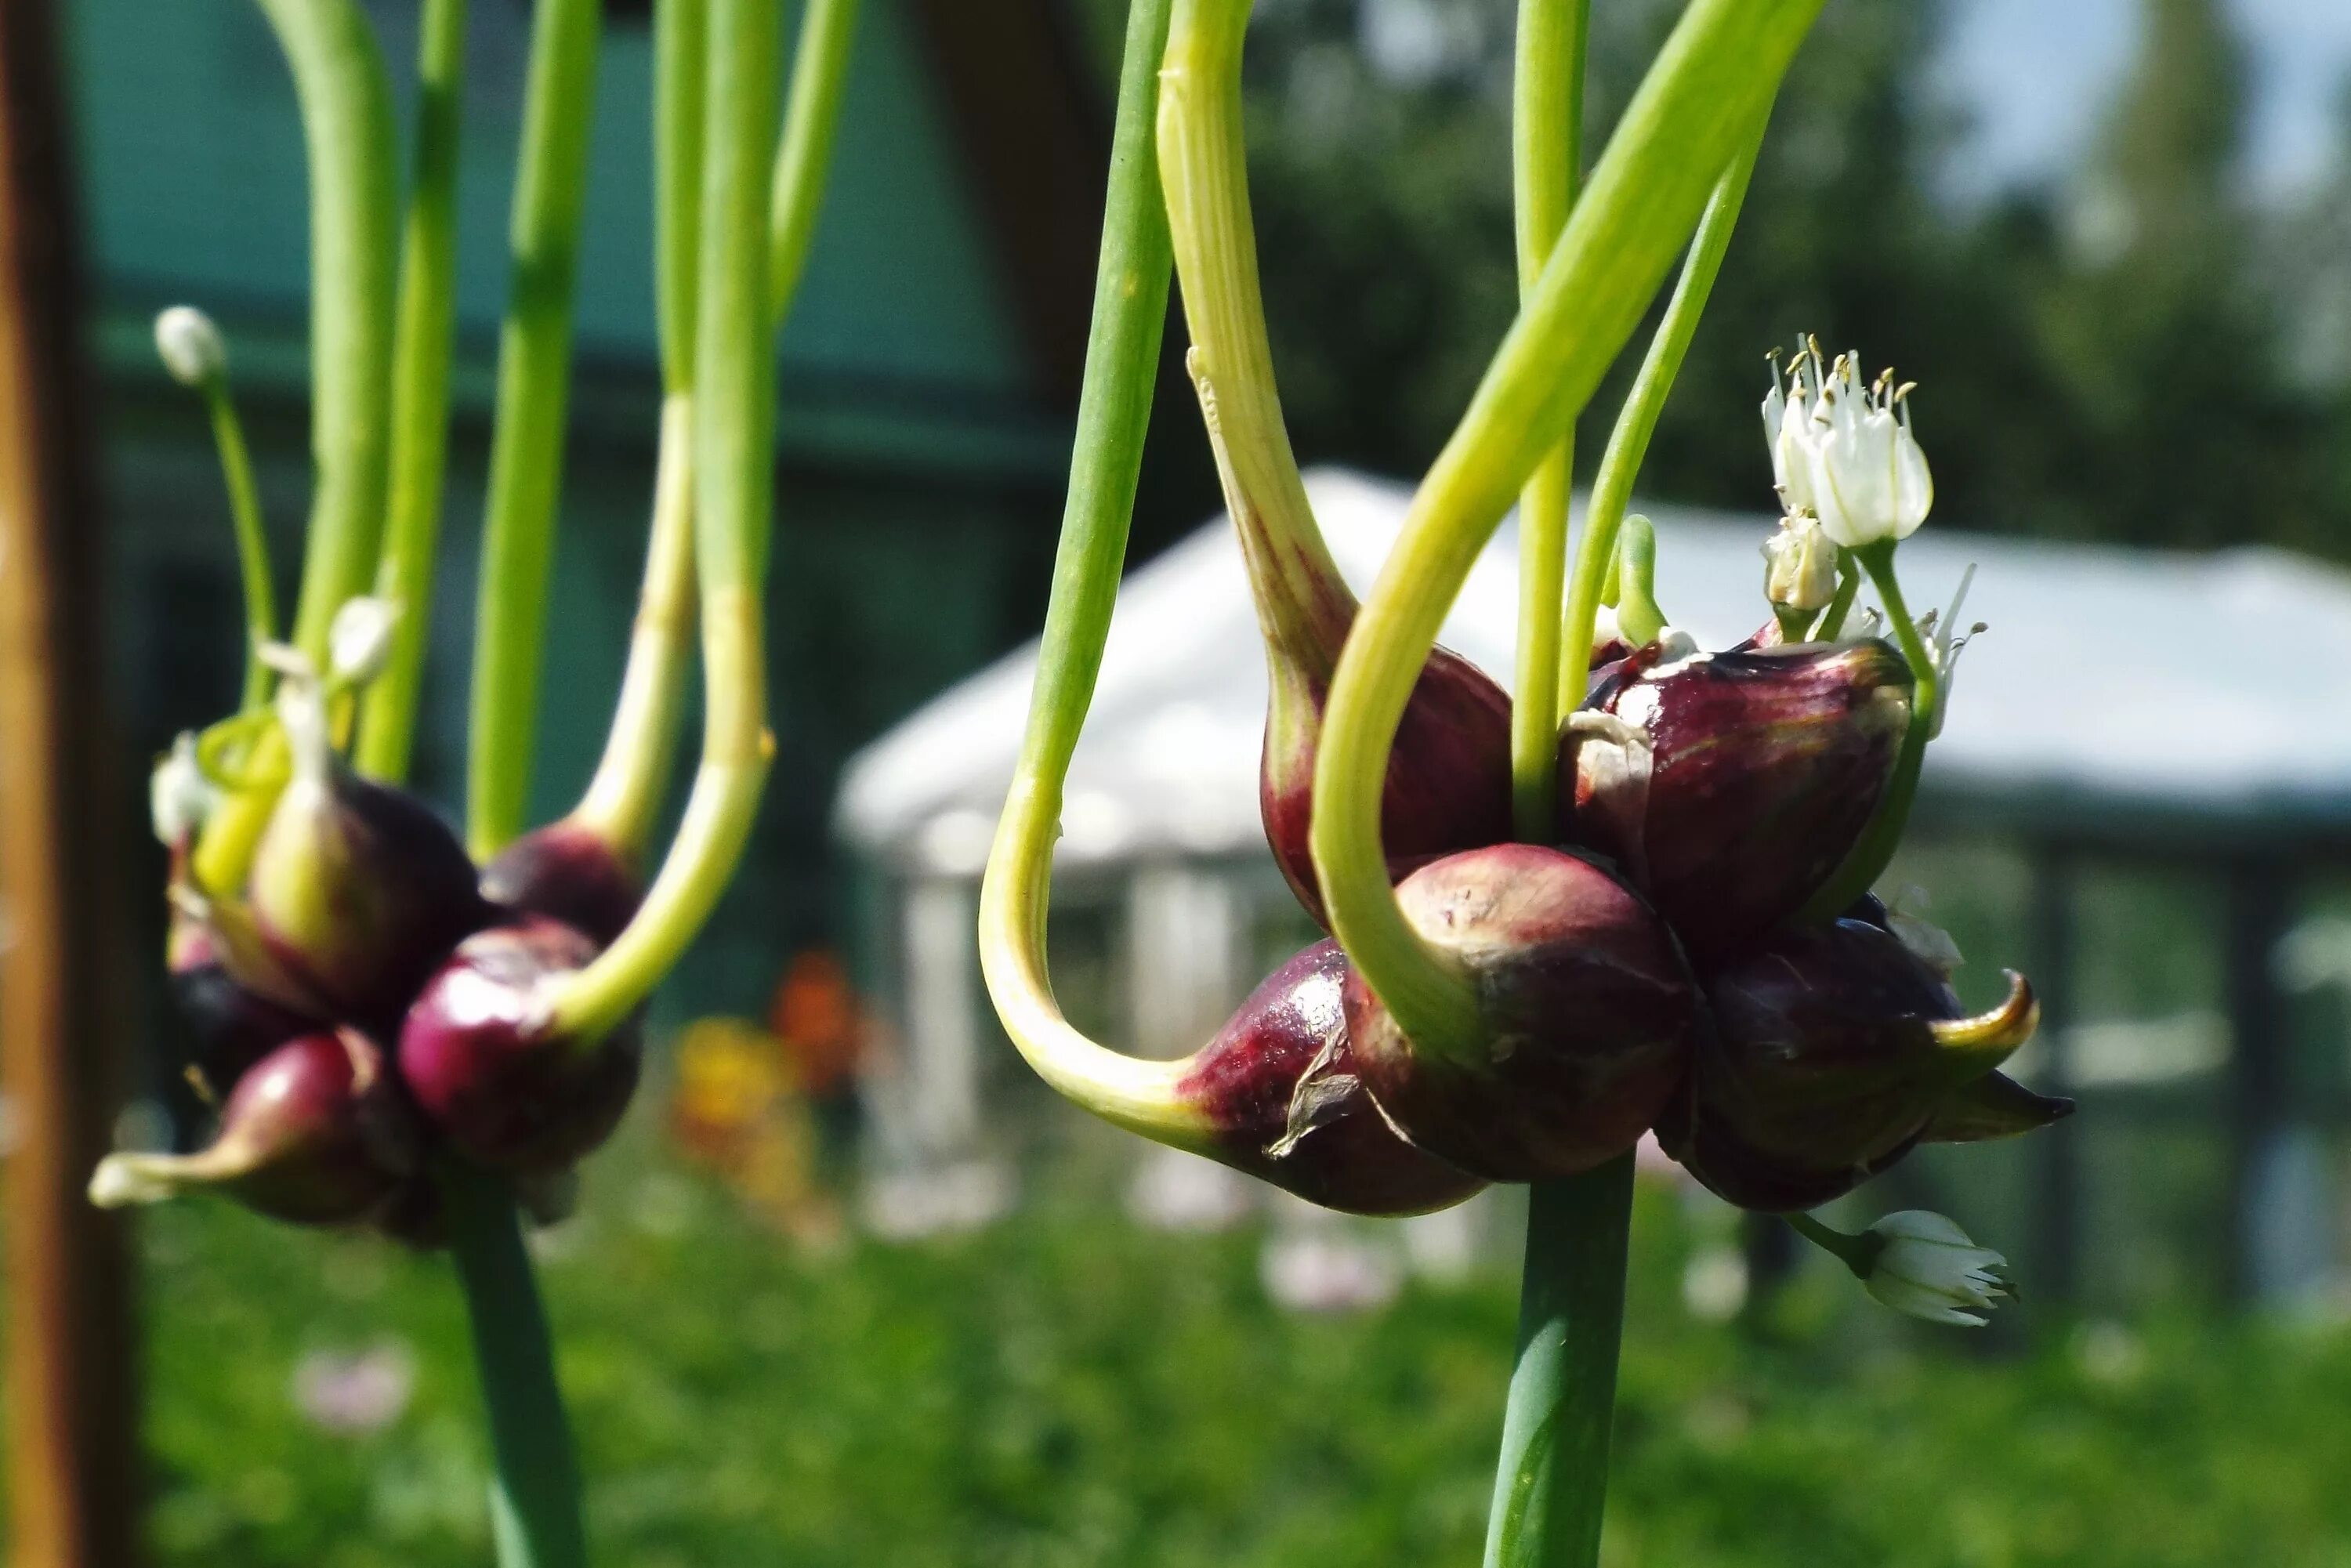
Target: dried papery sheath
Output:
[(1731, 786), (1586, 1016), (314, 1132)]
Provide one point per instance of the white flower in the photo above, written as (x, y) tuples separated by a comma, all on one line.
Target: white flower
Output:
[(190, 346), (1845, 453), (179, 796), (1799, 568), (358, 641), (1926, 1266)]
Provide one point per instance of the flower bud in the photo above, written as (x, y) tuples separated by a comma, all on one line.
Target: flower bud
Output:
[(567, 872), (178, 797), (359, 640), (1834, 1051), (1448, 777), (1585, 1012), (314, 1134), (1729, 787), (1281, 1088), (1800, 565), (234, 1025), (190, 346), (478, 1057), (1926, 1266), (358, 888)]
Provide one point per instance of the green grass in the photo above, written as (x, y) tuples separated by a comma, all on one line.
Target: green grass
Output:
[(1063, 1389)]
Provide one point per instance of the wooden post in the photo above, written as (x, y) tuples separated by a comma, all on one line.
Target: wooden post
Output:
[(70, 1359)]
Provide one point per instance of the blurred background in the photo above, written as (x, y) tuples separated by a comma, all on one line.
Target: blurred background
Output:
[(853, 1288)]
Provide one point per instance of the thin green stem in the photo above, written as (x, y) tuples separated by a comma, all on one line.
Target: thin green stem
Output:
[(347, 133), (733, 475), (346, 127), (1129, 313), (423, 339), (1871, 853), (1858, 1253), (681, 58), (252, 539), (1546, 150), (804, 156), (527, 447), (1304, 607), (1831, 623), (1551, 1486), (1628, 442), (1698, 107), (623, 799), (535, 1491)]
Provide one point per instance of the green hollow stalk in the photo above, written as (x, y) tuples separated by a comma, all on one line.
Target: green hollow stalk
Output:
[(1304, 607), (624, 797), (1628, 442), (734, 473), (423, 339), (1552, 1483), (1130, 312), (1546, 156), (804, 155), (252, 539), (1870, 855), (346, 133), (527, 446), (1699, 103), (535, 1513)]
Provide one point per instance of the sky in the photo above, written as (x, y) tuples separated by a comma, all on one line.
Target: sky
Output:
[(2037, 72)]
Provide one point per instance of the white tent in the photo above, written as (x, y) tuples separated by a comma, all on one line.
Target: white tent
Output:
[(2112, 682)]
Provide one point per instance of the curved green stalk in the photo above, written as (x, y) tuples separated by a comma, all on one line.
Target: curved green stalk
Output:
[(1698, 105), (346, 127), (804, 157), (535, 1490), (624, 799), (681, 61), (1874, 850), (1304, 606), (252, 539), (734, 472), (346, 133), (424, 339), (1638, 616), (527, 446), (1552, 1483), (1130, 311), (1628, 442), (1546, 150)]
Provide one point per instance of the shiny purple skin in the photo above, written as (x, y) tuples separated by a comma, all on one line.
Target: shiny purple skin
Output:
[(398, 889), (566, 871), (1821, 1071), (478, 1063), (1586, 1007), (1280, 1087), (315, 1132), (1764, 767), (1448, 777), (234, 1027)]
